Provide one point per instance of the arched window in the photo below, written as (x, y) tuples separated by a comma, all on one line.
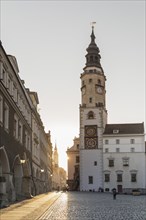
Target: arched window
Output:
[(99, 82), (91, 58), (90, 115)]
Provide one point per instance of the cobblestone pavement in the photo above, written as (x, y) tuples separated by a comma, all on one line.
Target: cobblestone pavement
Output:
[(96, 206), (29, 209)]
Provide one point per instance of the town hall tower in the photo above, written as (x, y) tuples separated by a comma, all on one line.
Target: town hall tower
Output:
[(93, 118)]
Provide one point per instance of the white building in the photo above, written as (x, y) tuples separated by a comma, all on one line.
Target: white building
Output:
[(111, 155), (124, 157)]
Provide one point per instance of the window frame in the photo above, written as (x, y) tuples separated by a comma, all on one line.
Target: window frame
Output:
[(90, 179)]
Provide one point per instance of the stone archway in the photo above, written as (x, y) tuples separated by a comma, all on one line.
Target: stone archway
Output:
[(6, 185)]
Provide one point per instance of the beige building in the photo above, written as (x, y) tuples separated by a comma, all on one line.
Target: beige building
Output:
[(25, 148), (73, 165)]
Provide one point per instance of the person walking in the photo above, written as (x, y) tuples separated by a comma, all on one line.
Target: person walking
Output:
[(114, 193)]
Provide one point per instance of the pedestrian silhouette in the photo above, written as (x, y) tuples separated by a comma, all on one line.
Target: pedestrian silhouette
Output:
[(114, 193)]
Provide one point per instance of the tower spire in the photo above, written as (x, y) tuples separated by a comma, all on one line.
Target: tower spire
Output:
[(92, 34), (93, 56)]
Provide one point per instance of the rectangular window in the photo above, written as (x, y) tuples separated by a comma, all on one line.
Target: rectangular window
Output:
[(15, 94), (117, 141), (125, 162), (1, 70), (132, 141), (117, 150), (6, 116), (132, 149), (90, 100), (107, 177), (9, 84), (111, 163), (4, 76), (20, 132), (95, 163), (28, 142), (1, 109), (107, 189), (90, 80), (77, 159), (12, 89), (119, 177), (90, 178), (15, 128), (106, 150), (25, 139), (133, 177), (106, 141)]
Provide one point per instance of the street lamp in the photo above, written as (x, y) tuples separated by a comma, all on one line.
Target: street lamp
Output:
[(22, 161)]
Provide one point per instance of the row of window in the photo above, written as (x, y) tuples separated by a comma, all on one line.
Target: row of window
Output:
[(17, 124), (91, 80), (125, 161), (13, 91), (120, 177), (133, 177), (117, 150), (4, 113), (18, 133), (117, 141)]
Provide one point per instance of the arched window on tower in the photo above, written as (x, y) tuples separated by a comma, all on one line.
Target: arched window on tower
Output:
[(91, 58), (99, 82), (90, 115)]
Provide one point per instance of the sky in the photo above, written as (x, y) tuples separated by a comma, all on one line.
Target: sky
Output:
[(49, 40)]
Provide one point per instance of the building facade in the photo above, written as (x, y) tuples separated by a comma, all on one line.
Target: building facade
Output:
[(73, 165), (93, 118), (58, 174), (124, 157), (21, 135), (110, 155)]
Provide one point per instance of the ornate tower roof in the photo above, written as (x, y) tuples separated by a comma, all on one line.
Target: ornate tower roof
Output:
[(93, 56)]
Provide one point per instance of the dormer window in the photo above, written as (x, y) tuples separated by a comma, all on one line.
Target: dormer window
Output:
[(115, 131)]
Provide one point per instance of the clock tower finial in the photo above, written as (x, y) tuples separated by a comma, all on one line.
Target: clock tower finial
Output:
[(92, 34), (93, 56)]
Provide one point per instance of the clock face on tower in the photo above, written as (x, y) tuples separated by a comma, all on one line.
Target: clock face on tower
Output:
[(90, 131), (91, 137), (99, 89), (90, 143)]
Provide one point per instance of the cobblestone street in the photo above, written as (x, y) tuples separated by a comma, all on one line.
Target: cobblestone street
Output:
[(96, 206), (77, 206)]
